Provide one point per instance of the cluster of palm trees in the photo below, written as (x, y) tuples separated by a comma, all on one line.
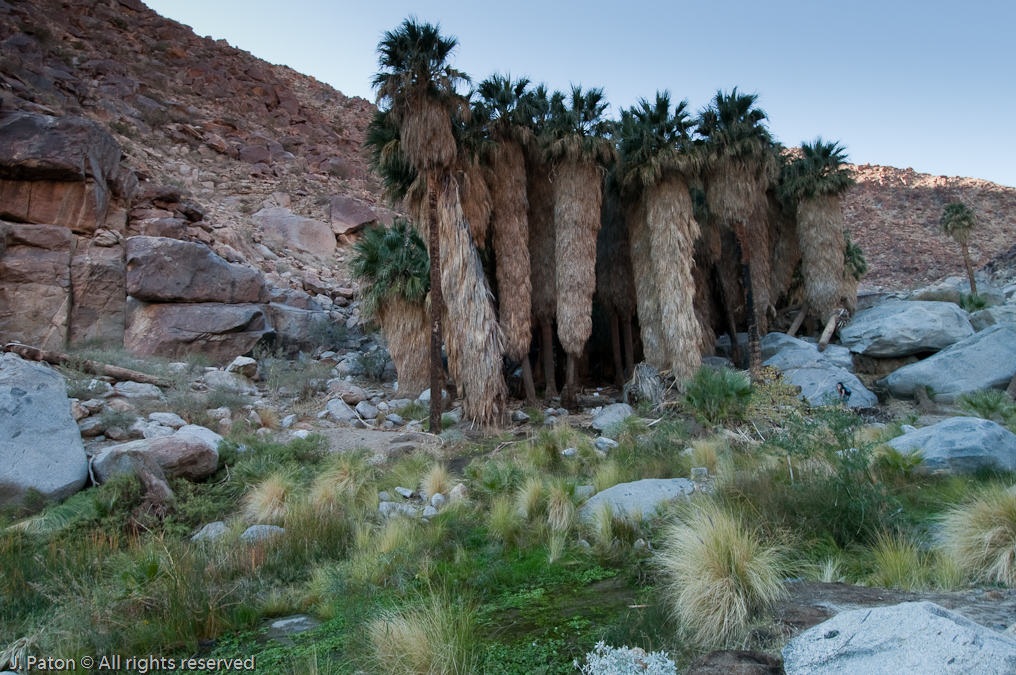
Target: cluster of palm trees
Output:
[(692, 226)]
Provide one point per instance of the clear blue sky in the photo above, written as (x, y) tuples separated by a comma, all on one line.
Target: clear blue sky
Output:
[(925, 84)]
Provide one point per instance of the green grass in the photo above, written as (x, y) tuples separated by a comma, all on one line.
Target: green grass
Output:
[(716, 395)]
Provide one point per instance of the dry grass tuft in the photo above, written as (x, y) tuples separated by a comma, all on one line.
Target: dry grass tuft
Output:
[(898, 564), (437, 637), (269, 418), (530, 499), (560, 509), (718, 574), (437, 480), (981, 536), (268, 501)]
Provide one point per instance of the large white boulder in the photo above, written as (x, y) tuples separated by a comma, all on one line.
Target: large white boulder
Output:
[(638, 499), (815, 372), (961, 445), (903, 328), (921, 638), (985, 360), (40, 443)]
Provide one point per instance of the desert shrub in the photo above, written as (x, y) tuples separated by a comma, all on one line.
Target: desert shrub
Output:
[(328, 334), (716, 395), (605, 660), (973, 302), (414, 411), (718, 574), (981, 536), (437, 637), (988, 404)]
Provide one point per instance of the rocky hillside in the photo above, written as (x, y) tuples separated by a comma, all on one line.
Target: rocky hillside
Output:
[(894, 213), (215, 135)]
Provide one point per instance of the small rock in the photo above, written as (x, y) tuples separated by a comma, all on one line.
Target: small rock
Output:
[(171, 420), (605, 444), (612, 415), (219, 413), (519, 416), (908, 428), (383, 496), (211, 531), (261, 532), (232, 382), (429, 511), (389, 509), (459, 493), (437, 500), (366, 410), (92, 405), (395, 419), (243, 365), (288, 421), (78, 411), (156, 431), (138, 390), (561, 412), (640, 545), (550, 421), (301, 433), (424, 398), (91, 427), (699, 474), (569, 452), (405, 492)]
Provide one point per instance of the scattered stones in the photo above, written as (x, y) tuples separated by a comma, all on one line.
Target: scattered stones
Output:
[(985, 360), (638, 499), (912, 637), (611, 416), (256, 533), (211, 531), (389, 509), (405, 492), (138, 390), (961, 445)]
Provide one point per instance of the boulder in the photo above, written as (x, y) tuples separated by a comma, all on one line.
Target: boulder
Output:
[(781, 351), (82, 207), (225, 381), (294, 328), (167, 419), (99, 294), (985, 360), (912, 637), (348, 215), (818, 385), (961, 445), (339, 411), (169, 270), (903, 328), (611, 416), (138, 390), (296, 232), (243, 365), (182, 454), (40, 444), (350, 393), (256, 533), (211, 531), (637, 499), (953, 289), (35, 284), (220, 331), (204, 433), (989, 317)]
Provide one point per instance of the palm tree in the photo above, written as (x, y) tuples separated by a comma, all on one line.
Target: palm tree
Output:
[(655, 162), (576, 143), (814, 184), (502, 108), (543, 267), (417, 88), (958, 220), (393, 269), (740, 164)]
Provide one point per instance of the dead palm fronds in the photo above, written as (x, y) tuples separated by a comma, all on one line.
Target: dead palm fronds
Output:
[(476, 339), (542, 264), (647, 291), (615, 281)]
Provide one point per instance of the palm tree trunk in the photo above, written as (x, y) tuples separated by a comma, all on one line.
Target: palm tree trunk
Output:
[(547, 353), (569, 395), (970, 269), (629, 348), (436, 307), (527, 380), (615, 343), (754, 344)]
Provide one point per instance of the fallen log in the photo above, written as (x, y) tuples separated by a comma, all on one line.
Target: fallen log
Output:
[(798, 320), (830, 327), (58, 359)]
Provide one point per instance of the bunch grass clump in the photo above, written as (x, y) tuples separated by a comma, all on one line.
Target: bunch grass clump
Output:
[(981, 536), (268, 501), (988, 404), (718, 574), (898, 563), (716, 395)]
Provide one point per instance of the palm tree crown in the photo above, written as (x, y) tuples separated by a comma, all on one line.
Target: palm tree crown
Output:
[(576, 127), (653, 140), (391, 261), (733, 127), (818, 172), (958, 220), (418, 86)]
